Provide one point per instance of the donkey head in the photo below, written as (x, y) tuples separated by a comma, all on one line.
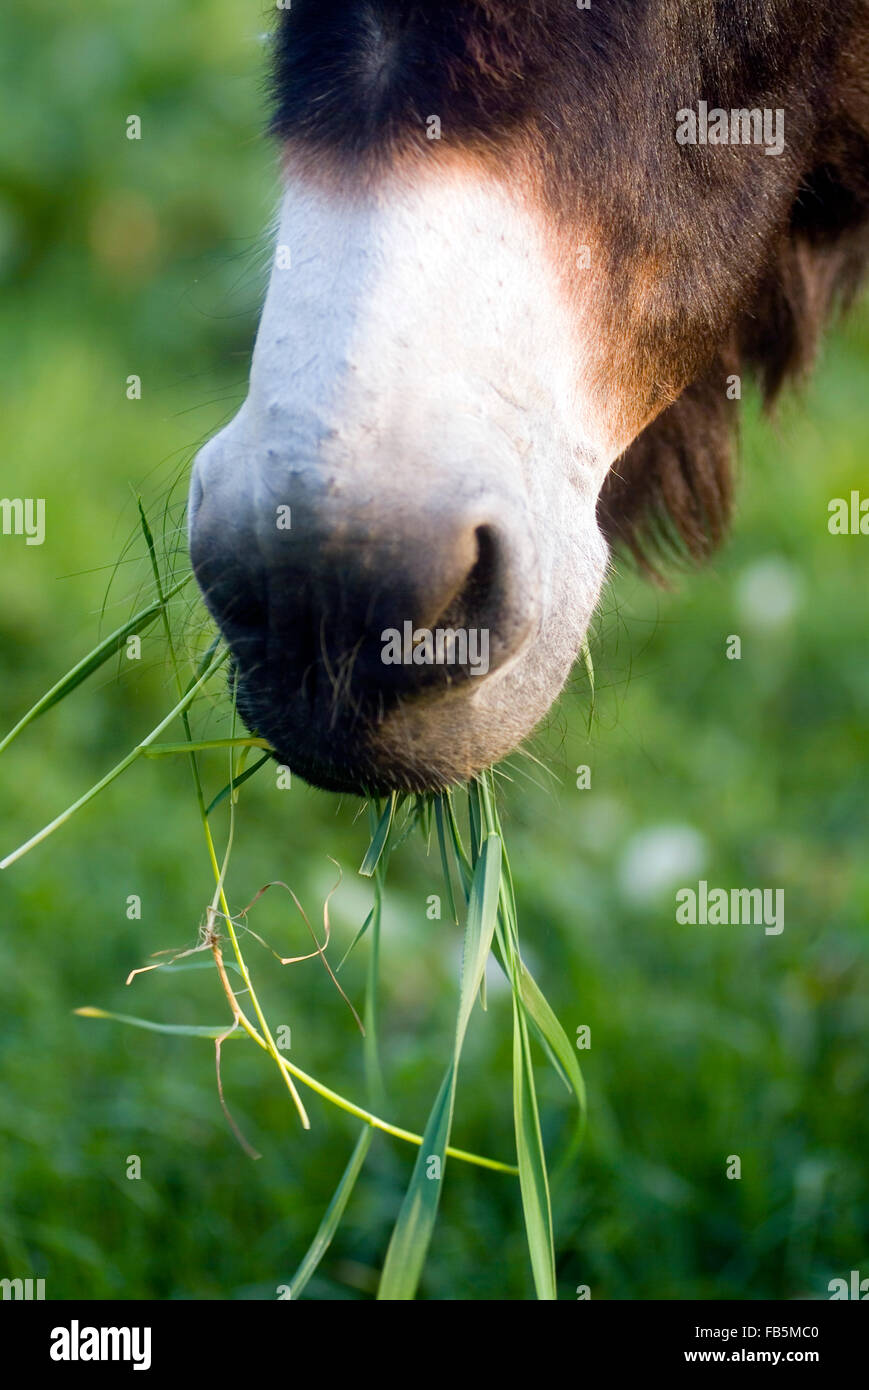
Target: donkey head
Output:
[(524, 254)]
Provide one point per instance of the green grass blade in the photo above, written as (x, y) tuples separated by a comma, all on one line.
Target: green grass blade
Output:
[(413, 1229), (332, 1216), (533, 1179), (412, 820), (205, 660), (90, 663), (207, 745), (357, 938), (184, 1030), (462, 862), (442, 845), (412, 1233), (375, 1085), (475, 820), (235, 783), (544, 1019), (180, 967), (378, 840), (530, 1004), (425, 813), (116, 771), (585, 652), (482, 915)]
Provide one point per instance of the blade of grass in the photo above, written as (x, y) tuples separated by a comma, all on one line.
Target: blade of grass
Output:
[(373, 1072), (175, 969), (357, 938), (220, 896), (546, 1023), (412, 820), (379, 838), (333, 1097), (379, 852), (585, 652), (410, 1240), (540, 1012), (462, 861), (442, 845), (529, 1004), (475, 820), (234, 785), (116, 771), (186, 1030), (533, 1180), (332, 1216), (92, 662), (208, 745), (219, 873)]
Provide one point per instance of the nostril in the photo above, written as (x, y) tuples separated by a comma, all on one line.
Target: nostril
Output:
[(475, 602), (484, 577), (474, 632)]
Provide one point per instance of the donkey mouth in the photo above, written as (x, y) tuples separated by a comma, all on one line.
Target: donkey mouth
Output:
[(379, 703), (366, 742)]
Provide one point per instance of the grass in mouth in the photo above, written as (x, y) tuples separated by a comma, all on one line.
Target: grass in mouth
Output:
[(478, 888)]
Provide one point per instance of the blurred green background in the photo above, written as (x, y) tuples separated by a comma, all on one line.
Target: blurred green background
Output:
[(120, 257)]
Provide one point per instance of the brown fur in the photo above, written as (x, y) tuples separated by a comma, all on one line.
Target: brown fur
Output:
[(672, 491)]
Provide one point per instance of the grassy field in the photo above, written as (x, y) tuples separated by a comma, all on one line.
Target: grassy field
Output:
[(147, 258)]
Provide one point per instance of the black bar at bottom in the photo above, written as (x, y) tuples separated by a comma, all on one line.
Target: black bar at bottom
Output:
[(83, 1340)]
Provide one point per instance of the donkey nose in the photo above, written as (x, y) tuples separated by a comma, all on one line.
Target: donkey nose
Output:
[(348, 605)]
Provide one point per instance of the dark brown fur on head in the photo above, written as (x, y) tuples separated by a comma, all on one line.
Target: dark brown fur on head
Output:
[(715, 261), (671, 493)]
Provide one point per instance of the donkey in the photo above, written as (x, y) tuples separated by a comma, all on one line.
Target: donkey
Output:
[(525, 252)]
